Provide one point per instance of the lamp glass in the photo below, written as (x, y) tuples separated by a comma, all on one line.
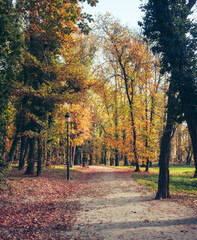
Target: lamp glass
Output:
[(67, 117)]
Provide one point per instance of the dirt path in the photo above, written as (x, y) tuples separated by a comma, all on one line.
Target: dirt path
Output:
[(114, 207)]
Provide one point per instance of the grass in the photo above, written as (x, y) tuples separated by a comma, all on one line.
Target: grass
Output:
[(181, 179)]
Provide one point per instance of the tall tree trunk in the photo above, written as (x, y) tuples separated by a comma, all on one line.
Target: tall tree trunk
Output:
[(116, 157), (39, 165), (13, 148), (91, 159), (111, 157), (76, 158), (178, 145), (111, 161), (31, 160), (189, 156), (192, 126), (105, 156), (130, 96), (49, 154), (147, 164), (84, 158), (72, 155), (116, 124), (23, 152), (147, 133), (126, 163), (164, 158), (137, 169)]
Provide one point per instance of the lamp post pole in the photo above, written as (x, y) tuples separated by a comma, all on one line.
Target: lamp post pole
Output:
[(67, 117)]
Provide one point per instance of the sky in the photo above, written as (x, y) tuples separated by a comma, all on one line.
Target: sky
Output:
[(126, 10)]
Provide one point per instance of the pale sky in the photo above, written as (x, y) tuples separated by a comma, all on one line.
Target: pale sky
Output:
[(126, 10)]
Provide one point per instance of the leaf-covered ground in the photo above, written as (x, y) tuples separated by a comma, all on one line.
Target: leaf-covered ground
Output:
[(36, 207), (96, 200)]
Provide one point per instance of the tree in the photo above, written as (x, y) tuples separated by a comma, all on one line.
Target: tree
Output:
[(128, 63), (10, 62), (10, 53), (50, 52), (173, 34)]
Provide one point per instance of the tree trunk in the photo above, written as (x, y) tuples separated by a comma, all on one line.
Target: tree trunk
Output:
[(146, 135), (116, 157), (23, 152), (31, 160), (91, 159), (72, 153), (111, 161), (164, 158), (116, 123), (13, 148), (178, 145), (105, 156), (80, 157), (192, 126), (49, 154), (84, 158), (137, 169), (126, 163), (76, 158), (189, 156), (147, 164), (130, 96), (39, 165)]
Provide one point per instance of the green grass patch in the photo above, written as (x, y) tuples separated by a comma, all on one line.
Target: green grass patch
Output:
[(181, 179), (149, 180)]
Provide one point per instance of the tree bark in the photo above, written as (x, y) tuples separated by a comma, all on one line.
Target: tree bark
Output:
[(39, 165), (126, 163), (23, 152), (91, 159), (137, 169), (116, 124), (105, 156), (13, 148), (72, 155), (84, 158), (164, 158), (76, 158), (116, 157), (49, 153), (147, 164), (191, 120), (111, 161), (31, 160), (189, 156)]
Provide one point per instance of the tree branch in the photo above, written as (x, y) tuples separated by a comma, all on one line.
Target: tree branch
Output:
[(191, 3)]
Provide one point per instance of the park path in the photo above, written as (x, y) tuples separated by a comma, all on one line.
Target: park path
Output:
[(114, 206)]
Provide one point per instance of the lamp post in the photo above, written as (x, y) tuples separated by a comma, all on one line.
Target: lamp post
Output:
[(67, 117)]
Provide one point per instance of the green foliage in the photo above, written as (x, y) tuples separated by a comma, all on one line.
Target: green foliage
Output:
[(168, 26), (10, 58)]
